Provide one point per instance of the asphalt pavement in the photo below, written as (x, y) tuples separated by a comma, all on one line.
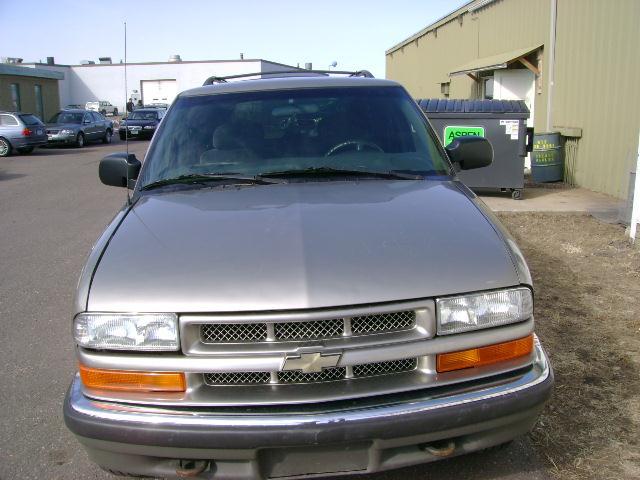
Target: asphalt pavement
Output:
[(52, 208)]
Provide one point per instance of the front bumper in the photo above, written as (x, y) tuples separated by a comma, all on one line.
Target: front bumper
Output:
[(336, 437), (58, 138), (142, 133)]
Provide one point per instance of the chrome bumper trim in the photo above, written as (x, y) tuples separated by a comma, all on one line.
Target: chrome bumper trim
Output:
[(154, 416)]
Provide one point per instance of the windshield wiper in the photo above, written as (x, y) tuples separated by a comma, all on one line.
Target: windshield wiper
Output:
[(202, 178), (328, 171)]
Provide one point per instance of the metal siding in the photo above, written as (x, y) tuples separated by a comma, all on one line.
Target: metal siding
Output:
[(597, 67), (50, 96), (501, 26)]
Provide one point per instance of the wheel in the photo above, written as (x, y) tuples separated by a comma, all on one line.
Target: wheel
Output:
[(107, 136), (80, 140), (25, 150), (5, 147), (516, 194), (103, 112), (357, 145), (115, 112)]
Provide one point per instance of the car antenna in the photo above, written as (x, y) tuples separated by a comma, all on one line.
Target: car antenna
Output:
[(126, 129)]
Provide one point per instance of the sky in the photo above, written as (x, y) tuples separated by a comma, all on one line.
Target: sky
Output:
[(354, 33)]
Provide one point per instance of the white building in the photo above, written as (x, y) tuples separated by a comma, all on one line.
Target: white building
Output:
[(151, 82)]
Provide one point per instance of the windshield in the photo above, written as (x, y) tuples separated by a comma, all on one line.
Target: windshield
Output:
[(140, 115), (377, 129), (67, 117)]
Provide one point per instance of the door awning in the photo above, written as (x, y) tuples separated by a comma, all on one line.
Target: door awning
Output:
[(496, 62)]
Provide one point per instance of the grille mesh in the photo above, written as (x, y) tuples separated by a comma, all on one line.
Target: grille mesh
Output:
[(309, 330), (237, 378), (386, 322), (233, 332), (384, 368), (326, 375)]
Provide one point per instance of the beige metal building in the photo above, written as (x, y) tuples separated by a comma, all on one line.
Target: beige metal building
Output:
[(31, 90), (576, 63)]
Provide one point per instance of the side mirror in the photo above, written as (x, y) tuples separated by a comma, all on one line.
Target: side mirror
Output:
[(470, 152), (117, 168)]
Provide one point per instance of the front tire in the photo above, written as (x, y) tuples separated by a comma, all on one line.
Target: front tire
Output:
[(80, 140), (5, 147), (115, 112), (107, 136), (103, 112)]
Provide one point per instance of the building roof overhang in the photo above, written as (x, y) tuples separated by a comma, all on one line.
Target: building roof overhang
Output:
[(497, 62)]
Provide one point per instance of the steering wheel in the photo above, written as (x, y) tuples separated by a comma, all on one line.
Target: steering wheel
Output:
[(358, 144)]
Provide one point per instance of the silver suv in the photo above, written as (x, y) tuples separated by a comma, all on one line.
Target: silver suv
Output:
[(20, 132), (103, 107), (301, 286)]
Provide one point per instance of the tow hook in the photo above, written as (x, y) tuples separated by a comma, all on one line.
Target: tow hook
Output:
[(440, 449), (191, 468)]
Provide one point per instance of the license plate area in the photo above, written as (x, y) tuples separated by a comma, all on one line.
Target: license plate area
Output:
[(333, 459)]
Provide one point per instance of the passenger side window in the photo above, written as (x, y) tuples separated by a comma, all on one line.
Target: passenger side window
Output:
[(87, 118), (97, 117), (7, 120)]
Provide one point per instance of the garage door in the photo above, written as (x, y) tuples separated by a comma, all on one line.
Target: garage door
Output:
[(158, 91)]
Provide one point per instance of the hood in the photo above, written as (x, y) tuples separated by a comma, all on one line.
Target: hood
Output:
[(141, 122), (298, 246)]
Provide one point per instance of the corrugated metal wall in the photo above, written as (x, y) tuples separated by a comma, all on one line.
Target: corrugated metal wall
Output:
[(501, 26), (597, 72), (597, 88)]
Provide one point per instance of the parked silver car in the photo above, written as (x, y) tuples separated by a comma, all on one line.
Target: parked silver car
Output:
[(21, 132), (77, 127), (299, 286)]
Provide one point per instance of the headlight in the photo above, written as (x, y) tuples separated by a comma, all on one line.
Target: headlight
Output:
[(127, 331), (483, 310), (67, 132), (149, 127)]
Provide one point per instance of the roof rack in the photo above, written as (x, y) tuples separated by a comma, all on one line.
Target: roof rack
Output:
[(275, 74)]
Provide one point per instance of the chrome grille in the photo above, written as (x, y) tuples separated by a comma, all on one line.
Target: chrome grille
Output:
[(386, 322), (326, 375), (309, 330), (233, 332), (211, 333)]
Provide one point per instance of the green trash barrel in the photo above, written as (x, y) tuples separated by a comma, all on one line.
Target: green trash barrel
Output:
[(547, 159)]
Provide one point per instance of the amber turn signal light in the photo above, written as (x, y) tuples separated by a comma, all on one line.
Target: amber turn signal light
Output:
[(477, 357), (128, 381)]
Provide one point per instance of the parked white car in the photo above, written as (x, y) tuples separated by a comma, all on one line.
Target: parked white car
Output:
[(102, 106)]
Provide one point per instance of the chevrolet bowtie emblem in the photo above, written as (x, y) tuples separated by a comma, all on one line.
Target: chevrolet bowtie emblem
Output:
[(311, 362)]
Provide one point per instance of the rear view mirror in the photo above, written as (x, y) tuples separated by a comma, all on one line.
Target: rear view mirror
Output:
[(470, 152), (119, 170)]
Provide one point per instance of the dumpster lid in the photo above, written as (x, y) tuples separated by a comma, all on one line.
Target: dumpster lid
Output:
[(440, 105), (494, 62)]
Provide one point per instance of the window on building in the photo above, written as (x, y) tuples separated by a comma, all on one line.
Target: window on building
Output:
[(15, 97), (444, 88), (487, 88), (39, 104)]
